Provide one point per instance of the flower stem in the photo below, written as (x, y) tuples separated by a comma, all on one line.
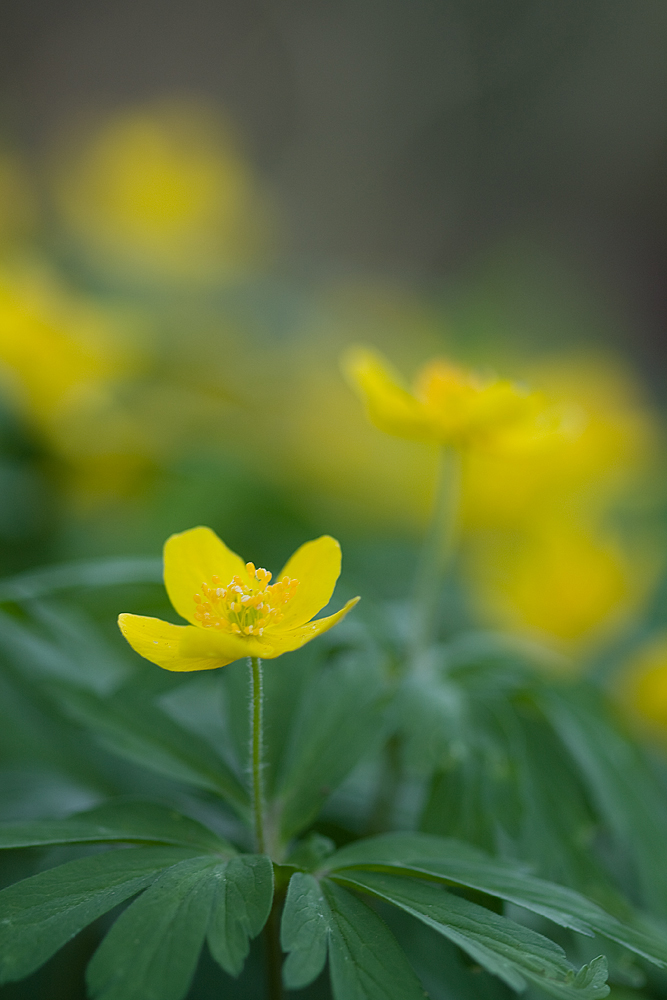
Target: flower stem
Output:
[(273, 954), (256, 751), (437, 552)]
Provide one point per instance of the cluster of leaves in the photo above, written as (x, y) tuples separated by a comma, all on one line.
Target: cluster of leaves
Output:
[(487, 766)]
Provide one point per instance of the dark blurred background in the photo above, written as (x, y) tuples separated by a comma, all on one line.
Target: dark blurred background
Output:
[(406, 139)]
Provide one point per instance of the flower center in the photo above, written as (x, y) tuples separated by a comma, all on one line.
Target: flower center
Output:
[(242, 608)]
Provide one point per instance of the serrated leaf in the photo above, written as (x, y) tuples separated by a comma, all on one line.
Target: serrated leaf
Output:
[(240, 907), (365, 960), (514, 953), (304, 931), (124, 821), (144, 734), (151, 952), (40, 914), (337, 722), (455, 863)]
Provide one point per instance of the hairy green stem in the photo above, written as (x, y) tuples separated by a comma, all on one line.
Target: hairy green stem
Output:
[(437, 552), (256, 751)]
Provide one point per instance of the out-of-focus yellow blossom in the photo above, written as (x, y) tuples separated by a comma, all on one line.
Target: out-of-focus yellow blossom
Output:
[(607, 441), (448, 405), (53, 345), (541, 559), (559, 578), (164, 190), (233, 609), (641, 689), (346, 469), (318, 443), (536, 487), (60, 359)]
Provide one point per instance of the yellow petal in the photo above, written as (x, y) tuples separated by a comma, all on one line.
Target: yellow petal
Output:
[(285, 642), (204, 642), (316, 565), (193, 557), (390, 407), (162, 643)]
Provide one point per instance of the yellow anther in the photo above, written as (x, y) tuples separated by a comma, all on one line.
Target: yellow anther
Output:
[(240, 608)]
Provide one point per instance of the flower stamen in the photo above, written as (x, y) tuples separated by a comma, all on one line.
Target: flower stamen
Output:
[(244, 608)]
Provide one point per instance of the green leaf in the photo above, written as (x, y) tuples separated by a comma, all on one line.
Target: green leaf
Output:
[(558, 823), (514, 953), (151, 952), (37, 655), (241, 906), (337, 722), (621, 783), (366, 962), (91, 573), (40, 914), (132, 822), (144, 734), (93, 662), (304, 931), (455, 863)]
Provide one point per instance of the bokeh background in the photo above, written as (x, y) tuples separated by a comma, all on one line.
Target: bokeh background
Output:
[(202, 205)]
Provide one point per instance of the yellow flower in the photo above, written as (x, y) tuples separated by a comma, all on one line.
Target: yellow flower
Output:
[(607, 444), (561, 578), (233, 609), (164, 189), (448, 404), (641, 690)]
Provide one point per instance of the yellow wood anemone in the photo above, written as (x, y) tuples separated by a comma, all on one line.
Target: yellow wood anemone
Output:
[(233, 608), (448, 405)]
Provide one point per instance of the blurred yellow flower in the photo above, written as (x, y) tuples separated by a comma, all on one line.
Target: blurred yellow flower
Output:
[(61, 362), (607, 440), (54, 346), (233, 609), (448, 405), (543, 553), (641, 689), (557, 577), (164, 188), (319, 444)]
